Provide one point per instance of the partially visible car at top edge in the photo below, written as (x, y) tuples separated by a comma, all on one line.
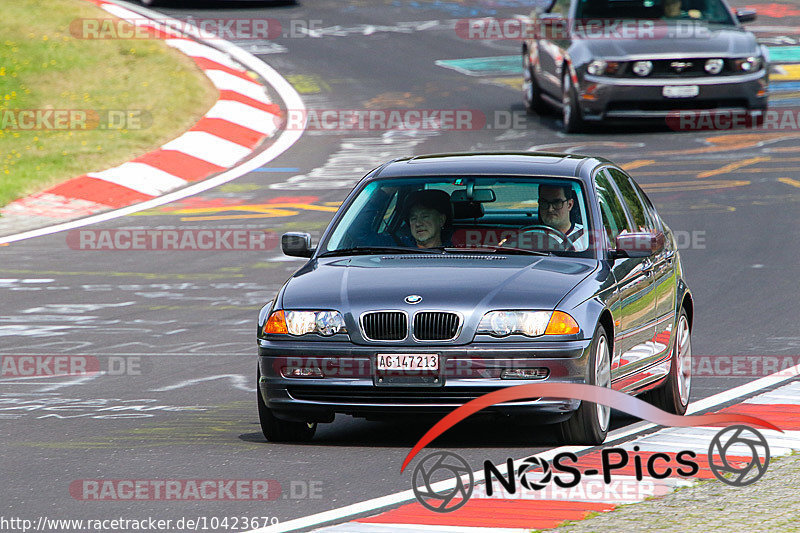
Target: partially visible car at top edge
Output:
[(632, 59)]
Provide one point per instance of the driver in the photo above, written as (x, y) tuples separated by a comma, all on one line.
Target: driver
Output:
[(672, 9), (555, 205), (429, 214)]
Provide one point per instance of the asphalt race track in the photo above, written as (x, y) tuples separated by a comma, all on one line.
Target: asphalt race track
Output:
[(175, 331)]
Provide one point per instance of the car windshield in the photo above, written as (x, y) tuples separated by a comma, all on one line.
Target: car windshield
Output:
[(710, 11), (524, 215)]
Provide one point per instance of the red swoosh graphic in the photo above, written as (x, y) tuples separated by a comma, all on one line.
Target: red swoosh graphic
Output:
[(579, 391)]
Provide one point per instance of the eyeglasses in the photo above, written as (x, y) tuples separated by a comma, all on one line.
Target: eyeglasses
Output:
[(556, 204)]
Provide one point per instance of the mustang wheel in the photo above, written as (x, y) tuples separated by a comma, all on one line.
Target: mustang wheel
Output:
[(531, 94), (673, 396), (571, 113), (277, 430), (589, 424)]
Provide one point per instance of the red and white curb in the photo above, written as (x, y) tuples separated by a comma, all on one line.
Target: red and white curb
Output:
[(241, 119), (549, 507)]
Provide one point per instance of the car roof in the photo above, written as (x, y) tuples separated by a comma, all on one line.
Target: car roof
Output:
[(490, 163)]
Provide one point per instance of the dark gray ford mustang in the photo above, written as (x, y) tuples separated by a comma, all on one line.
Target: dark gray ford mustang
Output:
[(444, 277), (621, 59)]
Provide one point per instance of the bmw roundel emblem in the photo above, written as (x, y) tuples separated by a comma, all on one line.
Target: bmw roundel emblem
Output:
[(413, 299)]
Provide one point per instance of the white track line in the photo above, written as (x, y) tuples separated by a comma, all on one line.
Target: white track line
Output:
[(286, 139), (375, 504)]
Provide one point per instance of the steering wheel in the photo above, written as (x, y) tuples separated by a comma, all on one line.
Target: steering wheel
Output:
[(566, 244)]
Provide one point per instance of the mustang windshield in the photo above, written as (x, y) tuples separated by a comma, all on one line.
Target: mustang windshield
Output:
[(464, 213), (710, 11)]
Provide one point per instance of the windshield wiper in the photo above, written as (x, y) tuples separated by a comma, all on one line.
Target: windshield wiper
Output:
[(492, 248), (364, 250)]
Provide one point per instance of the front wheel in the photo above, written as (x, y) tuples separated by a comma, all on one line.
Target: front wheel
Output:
[(277, 430), (673, 396), (570, 111), (531, 93), (589, 423)]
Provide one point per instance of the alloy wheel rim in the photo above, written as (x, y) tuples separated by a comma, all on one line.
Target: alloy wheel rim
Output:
[(565, 100), (684, 360), (602, 374), (527, 79)]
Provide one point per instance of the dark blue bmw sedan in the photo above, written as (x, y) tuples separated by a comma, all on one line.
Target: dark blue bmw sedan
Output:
[(444, 277)]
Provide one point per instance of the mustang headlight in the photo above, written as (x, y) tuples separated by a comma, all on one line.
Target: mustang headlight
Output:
[(598, 67), (748, 64), (325, 323)]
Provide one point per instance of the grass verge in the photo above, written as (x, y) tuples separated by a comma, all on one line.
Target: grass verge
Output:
[(155, 93)]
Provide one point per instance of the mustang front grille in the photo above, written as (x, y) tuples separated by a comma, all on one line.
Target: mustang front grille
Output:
[(385, 326), (435, 326)]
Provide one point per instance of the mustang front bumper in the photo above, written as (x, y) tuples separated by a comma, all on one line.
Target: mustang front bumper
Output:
[(604, 97), (343, 377)]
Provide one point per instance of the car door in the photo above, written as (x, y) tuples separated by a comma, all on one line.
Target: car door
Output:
[(662, 264), (635, 313), (551, 35)]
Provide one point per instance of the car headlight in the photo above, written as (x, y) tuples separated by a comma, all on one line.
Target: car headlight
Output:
[(528, 323), (642, 68), (748, 64), (714, 66), (598, 67), (324, 323)]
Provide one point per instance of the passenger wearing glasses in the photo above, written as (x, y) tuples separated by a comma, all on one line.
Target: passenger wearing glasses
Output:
[(555, 205)]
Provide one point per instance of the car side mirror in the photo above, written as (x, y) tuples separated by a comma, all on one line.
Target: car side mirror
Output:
[(745, 15), (640, 244), (297, 244)]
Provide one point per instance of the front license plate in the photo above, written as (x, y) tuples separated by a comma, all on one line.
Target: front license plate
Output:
[(412, 362), (681, 91)]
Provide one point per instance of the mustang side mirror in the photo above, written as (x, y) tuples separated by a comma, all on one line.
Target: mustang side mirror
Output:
[(296, 244), (745, 15), (640, 244)]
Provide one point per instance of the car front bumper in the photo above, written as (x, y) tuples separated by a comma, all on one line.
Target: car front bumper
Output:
[(351, 384), (602, 97)]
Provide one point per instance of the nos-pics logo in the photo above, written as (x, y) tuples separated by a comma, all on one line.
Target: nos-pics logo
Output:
[(443, 481)]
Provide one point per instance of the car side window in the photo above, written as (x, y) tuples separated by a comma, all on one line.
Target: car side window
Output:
[(641, 218), (614, 219)]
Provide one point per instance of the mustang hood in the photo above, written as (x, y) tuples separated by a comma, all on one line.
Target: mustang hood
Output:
[(687, 42), (468, 283)]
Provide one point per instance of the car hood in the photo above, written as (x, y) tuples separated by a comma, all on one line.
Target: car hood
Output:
[(466, 283), (723, 41)]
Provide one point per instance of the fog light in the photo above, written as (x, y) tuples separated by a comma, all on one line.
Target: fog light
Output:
[(714, 66), (524, 373), (301, 372), (642, 68)]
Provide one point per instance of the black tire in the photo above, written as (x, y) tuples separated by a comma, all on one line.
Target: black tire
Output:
[(531, 93), (589, 423), (570, 111), (673, 395), (277, 430)]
